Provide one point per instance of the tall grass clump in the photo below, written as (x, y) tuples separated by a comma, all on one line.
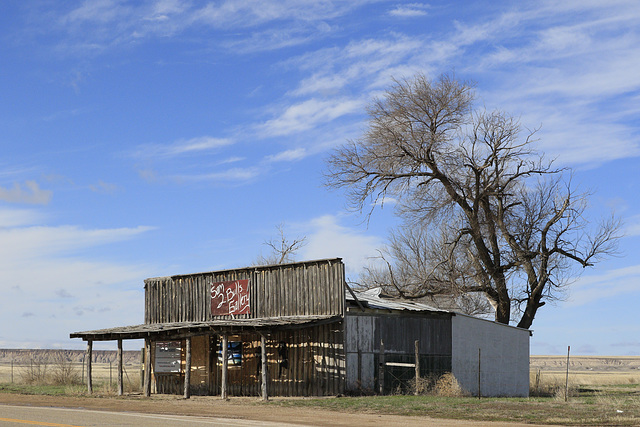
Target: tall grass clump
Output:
[(64, 372), (35, 372)]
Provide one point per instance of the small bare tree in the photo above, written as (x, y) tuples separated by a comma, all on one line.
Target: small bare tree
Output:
[(482, 211), (281, 250)]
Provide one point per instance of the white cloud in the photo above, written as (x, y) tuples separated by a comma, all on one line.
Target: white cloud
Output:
[(29, 192), (410, 10), (308, 114), (182, 147), (18, 217), (102, 24), (24, 244), (233, 175), (364, 63), (613, 283), (328, 239), (51, 284), (632, 226), (288, 155), (103, 187)]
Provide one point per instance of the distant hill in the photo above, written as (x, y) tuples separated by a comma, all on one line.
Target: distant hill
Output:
[(586, 363), (50, 355)]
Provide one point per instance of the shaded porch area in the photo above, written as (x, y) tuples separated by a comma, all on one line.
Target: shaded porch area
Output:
[(286, 356)]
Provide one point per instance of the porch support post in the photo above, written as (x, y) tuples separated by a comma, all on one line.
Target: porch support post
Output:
[(120, 385), (187, 369), (225, 365), (263, 360), (89, 356), (147, 367)]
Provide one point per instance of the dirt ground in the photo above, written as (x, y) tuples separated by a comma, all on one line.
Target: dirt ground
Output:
[(240, 408)]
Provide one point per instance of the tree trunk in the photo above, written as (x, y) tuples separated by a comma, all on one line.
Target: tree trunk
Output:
[(503, 310)]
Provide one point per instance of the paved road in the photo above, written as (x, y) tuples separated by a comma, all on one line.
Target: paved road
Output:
[(61, 417)]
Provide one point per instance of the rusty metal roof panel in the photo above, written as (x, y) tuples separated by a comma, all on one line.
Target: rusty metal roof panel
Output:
[(374, 298)]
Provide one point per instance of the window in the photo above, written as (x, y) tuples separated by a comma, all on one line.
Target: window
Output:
[(234, 353)]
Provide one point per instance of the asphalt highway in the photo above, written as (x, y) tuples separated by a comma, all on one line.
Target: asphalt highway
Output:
[(62, 417)]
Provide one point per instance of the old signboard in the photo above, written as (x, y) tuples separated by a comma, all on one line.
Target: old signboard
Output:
[(231, 297), (168, 357)]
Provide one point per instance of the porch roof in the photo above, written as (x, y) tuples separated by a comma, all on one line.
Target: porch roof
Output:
[(185, 329)]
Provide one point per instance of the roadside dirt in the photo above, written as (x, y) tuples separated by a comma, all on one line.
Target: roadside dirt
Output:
[(240, 408)]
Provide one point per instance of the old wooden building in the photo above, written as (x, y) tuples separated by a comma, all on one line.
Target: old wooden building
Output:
[(299, 330)]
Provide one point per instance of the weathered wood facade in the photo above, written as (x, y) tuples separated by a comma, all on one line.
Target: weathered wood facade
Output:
[(300, 289), (365, 331), (204, 334)]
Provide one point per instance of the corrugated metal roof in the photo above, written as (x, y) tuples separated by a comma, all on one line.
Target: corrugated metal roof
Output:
[(374, 298)]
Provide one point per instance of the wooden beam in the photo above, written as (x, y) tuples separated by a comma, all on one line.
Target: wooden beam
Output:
[(225, 365), (89, 357), (147, 367), (264, 372), (120, 368), (187, 370)]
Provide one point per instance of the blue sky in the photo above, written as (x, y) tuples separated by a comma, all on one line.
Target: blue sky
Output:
[(150, 138)]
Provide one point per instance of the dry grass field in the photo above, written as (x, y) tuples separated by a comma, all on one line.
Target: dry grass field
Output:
[(547, 370), (66, 367), (585, 370), (603, 391)]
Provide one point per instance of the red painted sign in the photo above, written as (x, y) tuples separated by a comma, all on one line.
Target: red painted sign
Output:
[(231, 297)]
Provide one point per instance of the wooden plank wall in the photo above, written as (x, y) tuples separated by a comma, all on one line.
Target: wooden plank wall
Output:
[(316, 365), (363, 332), (307, 288)]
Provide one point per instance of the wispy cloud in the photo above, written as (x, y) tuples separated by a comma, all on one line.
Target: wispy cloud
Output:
[(104, 24), (410, 10), (28, 242), (363, 63), (233, 176), (632, 226), (613, 283), (288, 155), (308, 114), (29, 192), (103, 187), (181, 147), (19, 217)]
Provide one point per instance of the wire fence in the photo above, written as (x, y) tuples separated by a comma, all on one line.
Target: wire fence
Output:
[(63, 371)]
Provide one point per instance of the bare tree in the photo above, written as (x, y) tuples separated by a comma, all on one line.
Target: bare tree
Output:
[(482, 211), (281, 249)]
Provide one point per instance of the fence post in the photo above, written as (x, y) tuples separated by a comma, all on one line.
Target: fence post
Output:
[(566, 381), (479, 374), (417, 350), (11, 371), (381, 368)]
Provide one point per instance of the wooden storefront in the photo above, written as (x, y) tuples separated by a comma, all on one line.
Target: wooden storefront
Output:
[(297, 310)]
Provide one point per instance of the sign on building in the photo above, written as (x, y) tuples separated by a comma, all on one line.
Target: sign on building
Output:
[(231, 297), (168, 357)]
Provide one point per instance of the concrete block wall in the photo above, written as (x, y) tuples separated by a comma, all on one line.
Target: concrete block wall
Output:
[(504, 357)]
